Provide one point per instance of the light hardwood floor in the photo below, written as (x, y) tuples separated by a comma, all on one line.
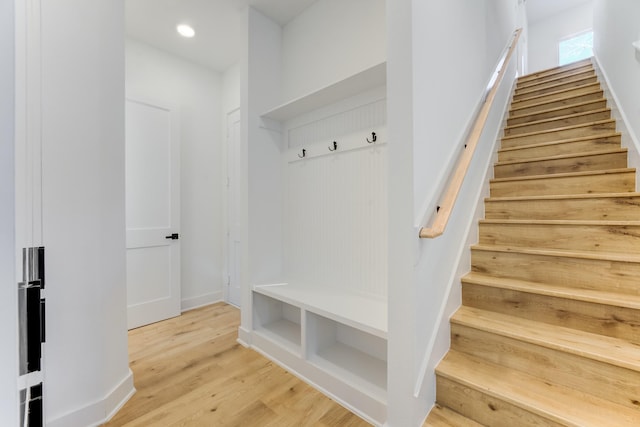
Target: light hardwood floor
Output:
[(190, 371)]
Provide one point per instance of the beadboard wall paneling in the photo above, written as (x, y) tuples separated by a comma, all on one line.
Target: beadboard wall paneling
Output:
[(336, 221)]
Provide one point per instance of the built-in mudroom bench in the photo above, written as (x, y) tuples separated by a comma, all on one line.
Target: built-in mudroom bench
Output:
[(325, 317)]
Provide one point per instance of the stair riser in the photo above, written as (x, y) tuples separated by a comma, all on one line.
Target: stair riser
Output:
[(444, 417), (483, 408), (552, 82), (555, 96), (558, 149), (604, 275), (593, 95), (555, 124), (558, 135), (616, 384), (606, 161), (596, 238), (606, 183), (612, 321), (556, 72), (612, 209), (531, 92)]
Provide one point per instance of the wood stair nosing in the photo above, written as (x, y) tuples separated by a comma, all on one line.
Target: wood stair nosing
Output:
[(545, 105), (530, 92), (578, 107), (555, 96), (554, 71), (441, 416), (592, 160), (564, 356), (563, 146), (613, 207), (607, 320), (561, 121), (607, 125), (572, 76), (583, 270), (489, 388)]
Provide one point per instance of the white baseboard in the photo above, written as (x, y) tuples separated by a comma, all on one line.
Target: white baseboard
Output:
[(244, 337), (97, 413), (200, 301)]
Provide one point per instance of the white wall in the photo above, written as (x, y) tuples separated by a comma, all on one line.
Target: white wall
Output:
[(453, 54), (86, 358), (329, 41), (262, 184), (616, 26), (231, 89), (155, 76), (8, 282), (545, 34)]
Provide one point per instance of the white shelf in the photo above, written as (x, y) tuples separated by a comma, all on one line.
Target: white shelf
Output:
[(284, 332), (360, 312), (363, 371), (353, 85)]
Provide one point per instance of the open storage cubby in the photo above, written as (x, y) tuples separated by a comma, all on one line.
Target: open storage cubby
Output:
[(357, 357), (277, 321)]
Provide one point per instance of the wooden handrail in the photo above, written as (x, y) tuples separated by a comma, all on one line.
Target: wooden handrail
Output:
[(453, 189)]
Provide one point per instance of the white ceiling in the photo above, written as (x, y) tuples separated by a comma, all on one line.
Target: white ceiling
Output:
[(538, 10), (218, 25)]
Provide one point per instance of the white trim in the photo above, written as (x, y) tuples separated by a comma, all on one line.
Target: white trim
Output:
[(629, 138), (244, 337), (101, 411), (201, 301)]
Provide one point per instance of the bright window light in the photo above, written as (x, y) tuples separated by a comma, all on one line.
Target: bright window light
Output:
[(575, 48), (186, 30)]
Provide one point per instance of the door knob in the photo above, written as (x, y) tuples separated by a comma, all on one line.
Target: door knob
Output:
[(174, 236)]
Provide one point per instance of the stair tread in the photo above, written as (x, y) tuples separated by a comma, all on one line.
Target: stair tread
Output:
[(441, 416), (560, 222), (562, 141), (595, 86), (561, 404), (574, 293), (551, 110), (565, 253), (563, 196), (561, 175), (541, 132), (559, 68), (558, 118), (515, 108), (526, 90), (533, 83), (563, 156)]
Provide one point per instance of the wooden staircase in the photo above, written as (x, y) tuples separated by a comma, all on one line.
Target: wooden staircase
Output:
[(549, 329)]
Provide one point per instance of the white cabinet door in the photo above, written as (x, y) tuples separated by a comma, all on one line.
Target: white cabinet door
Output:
[(153, 213)]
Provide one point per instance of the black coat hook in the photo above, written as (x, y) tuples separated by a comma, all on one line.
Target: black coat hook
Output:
[(304, 153), (335, 146), (374, 138)]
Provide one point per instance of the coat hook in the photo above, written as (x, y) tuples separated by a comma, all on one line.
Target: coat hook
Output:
[(374, 138), (335, 146), (304, 153)]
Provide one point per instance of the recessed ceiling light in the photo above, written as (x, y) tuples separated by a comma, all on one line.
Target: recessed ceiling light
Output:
[(186, 30)]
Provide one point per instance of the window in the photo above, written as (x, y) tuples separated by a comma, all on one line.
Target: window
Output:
[(575, 48)]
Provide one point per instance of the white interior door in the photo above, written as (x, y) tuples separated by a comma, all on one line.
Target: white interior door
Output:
[(233, 200), (153, 213)]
